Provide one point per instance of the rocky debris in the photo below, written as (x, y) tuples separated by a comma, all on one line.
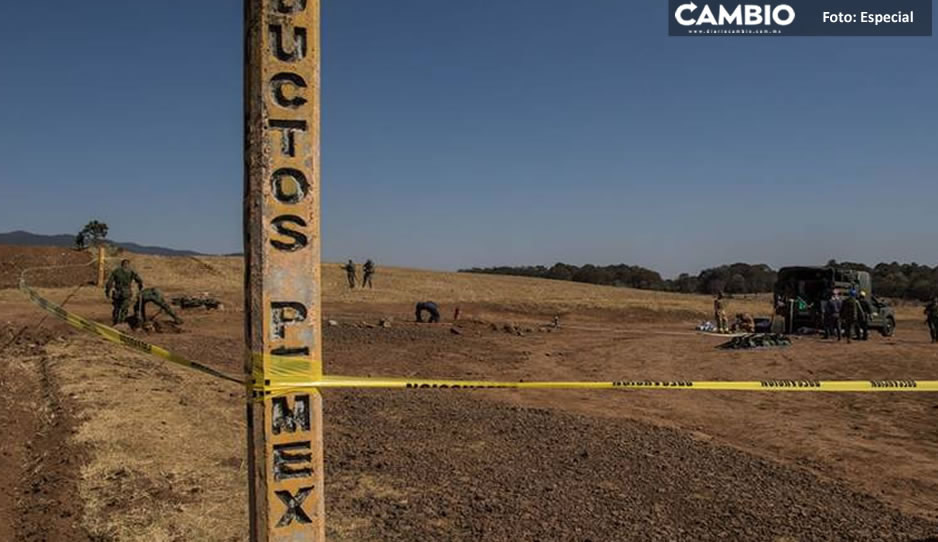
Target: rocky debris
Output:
[(512, 329), (332, 323), (455, 467), (197, 301), (386, 322), (756, 340), (455, 330)]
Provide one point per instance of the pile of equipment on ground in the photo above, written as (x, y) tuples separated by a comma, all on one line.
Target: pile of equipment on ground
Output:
[(756, 340), (194, 302)]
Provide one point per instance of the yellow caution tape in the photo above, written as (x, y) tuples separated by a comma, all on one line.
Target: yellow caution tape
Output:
[(115, 336), (763, 385), (286, 374), (280, 375)]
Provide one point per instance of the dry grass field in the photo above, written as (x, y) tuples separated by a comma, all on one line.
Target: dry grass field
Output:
[(110, 445)]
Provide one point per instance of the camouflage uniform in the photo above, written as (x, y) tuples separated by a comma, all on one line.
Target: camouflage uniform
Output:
[(719, 314), (931, 318), (850, 314), (351, 273), (864, 323), (151, 295), (367, 271), (119, 289)]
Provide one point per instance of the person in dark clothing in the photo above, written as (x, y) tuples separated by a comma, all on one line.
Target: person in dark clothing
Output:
[(119, 289), (864, 323), (431, 308), (368, 270), (832, 316), (351, 273), (851, 313), (931, 318)]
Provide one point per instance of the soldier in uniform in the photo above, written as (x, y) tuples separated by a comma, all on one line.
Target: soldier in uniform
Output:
[(850, 314), (152, 295), (351, 273), (931, 318), (119, 289), (367, 271), (719, 313), (864, 323)]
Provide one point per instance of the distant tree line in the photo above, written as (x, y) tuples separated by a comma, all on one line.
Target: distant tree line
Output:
[(911, 281)]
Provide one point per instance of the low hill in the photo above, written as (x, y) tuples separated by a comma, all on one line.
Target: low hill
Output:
[(25, 238), (222, 275)]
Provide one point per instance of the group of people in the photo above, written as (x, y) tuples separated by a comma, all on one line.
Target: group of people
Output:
[(351, 273), (119, 290), (846, 317), (744, 321)]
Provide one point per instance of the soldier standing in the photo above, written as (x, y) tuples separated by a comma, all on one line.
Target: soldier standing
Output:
[(931, 318), (119, 289), (864, 322), (851, 313), (351, 273), (367, 271), (719, 313)]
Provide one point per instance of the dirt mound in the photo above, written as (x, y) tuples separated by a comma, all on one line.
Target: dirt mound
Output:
[(15, 259)]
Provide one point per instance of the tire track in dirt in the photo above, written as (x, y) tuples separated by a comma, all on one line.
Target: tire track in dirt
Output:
[(39, 466)]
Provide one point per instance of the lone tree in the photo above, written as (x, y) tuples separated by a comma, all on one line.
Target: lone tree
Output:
[(93, 233)]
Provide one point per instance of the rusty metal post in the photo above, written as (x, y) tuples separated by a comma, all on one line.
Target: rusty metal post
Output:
[(100, 266), (282, 267)]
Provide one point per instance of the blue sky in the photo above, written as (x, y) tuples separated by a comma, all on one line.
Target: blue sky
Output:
[(489, 132)]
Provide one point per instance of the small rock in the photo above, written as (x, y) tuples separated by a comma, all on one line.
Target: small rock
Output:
[(333, 323), (455, 331)]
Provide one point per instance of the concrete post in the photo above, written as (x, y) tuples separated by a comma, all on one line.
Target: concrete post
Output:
[(282, 266), (100, 266)]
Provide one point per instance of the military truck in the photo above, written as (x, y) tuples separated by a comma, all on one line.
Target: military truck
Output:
[(799, 291)]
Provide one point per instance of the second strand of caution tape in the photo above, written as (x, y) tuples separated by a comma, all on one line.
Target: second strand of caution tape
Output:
[(295, 376)]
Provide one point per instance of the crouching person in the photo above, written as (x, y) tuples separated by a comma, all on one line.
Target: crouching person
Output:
[(431, 308)]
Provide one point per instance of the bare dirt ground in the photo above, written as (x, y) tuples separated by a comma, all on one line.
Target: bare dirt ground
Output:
[(115, 446)]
